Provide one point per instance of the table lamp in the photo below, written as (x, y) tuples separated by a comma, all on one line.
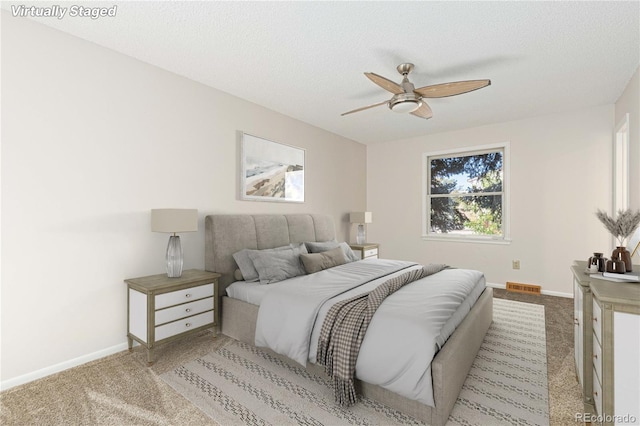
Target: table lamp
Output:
[(173, 221), (361, 218)]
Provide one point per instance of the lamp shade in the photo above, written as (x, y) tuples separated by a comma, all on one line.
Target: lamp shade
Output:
[(361, 217), (174, 220)]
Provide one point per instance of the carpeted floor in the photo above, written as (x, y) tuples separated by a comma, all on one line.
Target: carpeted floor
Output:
[(121, 390)]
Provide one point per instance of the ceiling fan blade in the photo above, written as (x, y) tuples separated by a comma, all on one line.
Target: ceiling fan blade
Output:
[(385, 83), (451, 89), (365, 107), (424, 111)]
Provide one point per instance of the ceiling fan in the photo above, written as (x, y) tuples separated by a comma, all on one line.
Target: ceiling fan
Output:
[(406, 98)]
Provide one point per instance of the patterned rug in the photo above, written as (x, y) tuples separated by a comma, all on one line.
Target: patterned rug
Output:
[(243, 385)]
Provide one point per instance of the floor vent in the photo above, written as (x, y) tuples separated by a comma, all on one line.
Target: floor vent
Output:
[(524, 288)]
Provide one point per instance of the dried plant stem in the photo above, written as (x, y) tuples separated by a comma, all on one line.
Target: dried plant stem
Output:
[(622, 226)]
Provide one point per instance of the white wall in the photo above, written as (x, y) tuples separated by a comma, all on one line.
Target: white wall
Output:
[(91, 141), (629, 103), (560, 175)]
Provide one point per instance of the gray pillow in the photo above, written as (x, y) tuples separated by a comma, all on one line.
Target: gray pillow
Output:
[(319, 247), (315, 262), (277, 265), (245, 264)]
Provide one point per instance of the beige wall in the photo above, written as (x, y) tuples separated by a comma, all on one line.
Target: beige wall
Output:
[(560, 175), (91, 141), (629, 103)]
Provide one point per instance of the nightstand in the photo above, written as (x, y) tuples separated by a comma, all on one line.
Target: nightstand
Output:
[(162, 309), (366, 250)]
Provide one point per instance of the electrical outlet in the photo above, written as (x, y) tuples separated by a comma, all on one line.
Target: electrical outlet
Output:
[(515, 264)]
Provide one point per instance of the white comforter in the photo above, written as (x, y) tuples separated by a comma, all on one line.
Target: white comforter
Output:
[(405, 332)]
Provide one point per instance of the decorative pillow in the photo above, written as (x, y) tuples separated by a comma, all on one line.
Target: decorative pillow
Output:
[(319, 247), (245, 263), (316, 262), (277, 265)]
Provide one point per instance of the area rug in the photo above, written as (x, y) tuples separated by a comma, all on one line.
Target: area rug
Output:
[(243, 385)]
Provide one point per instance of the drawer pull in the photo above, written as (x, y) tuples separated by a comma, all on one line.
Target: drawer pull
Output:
[(188, 324), (187, 295), (576, 322), (595, 393), (595, 319), (188, 310), (595, 356)]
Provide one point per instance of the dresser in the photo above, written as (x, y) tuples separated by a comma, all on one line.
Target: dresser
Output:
[(366, 250), (607, 346), (162, 309)]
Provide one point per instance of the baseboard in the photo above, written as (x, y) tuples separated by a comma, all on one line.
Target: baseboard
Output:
[(44, 372), (545, 292)]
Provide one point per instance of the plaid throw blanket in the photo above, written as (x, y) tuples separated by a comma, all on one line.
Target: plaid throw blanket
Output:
[(344, 328)]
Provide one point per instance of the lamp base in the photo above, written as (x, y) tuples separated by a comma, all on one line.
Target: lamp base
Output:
[(360, 237), (174, 257)]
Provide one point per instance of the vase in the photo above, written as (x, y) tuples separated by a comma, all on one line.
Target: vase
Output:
[(622, 254), (598, 261), (616, 266)]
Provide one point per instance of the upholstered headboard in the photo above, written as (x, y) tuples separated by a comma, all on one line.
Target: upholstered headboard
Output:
[(227, 234)]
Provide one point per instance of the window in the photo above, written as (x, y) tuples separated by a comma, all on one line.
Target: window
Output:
[(465, 194)]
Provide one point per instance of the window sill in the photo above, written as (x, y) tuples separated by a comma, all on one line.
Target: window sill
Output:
[(480, 240)]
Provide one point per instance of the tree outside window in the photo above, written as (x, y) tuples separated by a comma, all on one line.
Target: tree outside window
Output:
[(465, 194)]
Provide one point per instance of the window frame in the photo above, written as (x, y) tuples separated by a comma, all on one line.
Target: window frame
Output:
[(505, 238), (620, 188)]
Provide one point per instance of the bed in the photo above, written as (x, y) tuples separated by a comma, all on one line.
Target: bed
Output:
[(228, 234)]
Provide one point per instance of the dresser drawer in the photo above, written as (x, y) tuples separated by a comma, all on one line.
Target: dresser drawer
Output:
[(597, 358), (183, 325), (182, 296), (597, 393), (597, 321), (371, 253), (185, 310)]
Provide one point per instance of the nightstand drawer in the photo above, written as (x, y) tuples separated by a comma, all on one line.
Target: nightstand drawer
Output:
[(597, 321), (597, 358), (371, 253), (183, 296), (185, 310), (597, 393), (183, 325)]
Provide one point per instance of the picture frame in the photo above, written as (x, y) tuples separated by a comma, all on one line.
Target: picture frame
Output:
[(271, 171)]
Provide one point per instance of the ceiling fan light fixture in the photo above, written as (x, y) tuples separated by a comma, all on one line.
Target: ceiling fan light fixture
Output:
[(405, 106)]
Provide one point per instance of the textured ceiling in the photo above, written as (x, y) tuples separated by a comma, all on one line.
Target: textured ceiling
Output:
[(306, 59)]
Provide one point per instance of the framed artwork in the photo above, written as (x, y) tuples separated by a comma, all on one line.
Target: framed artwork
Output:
[(271, 171)]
